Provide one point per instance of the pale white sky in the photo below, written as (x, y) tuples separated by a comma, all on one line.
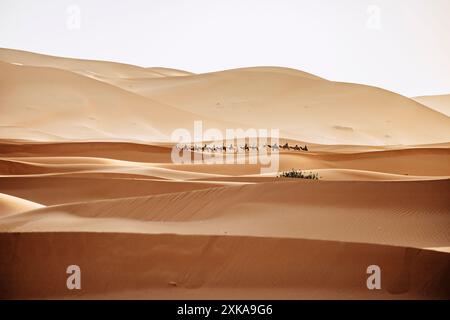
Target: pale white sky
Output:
[(400, 45)]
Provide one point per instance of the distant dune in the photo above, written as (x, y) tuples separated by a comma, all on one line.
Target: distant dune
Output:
[(51, 105), (304, 107), (439, 103), (84, 67)]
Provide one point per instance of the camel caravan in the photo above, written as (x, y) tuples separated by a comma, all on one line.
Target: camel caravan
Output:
[(246, 148)]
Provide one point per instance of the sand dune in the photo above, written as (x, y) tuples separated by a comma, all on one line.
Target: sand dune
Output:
[(10, 205), (365, 175), (91, 149), (439, 103), (33, 99), (37, 173), (154, 160), (392, 213), (415, 161), (212, 267), (88, 68), (74, 188), (169, 72), (333, 175), (319, 111), (86, 178), (304, 224), (308, 108)]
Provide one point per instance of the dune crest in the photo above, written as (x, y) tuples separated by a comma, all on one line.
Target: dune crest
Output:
[(10, 205)]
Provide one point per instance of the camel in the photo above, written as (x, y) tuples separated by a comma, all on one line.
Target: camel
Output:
[(233, 148), (285, 146), (245, 147), (274, 147)]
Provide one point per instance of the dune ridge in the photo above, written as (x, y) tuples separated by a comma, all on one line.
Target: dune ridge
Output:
[(440, 103), (11, 205)]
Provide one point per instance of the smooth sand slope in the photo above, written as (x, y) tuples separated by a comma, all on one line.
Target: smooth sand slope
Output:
[(11, 205), (304, 107), (323, 232), (439, 103), (392, 213), (86, 178), (40, 103), (127, 105), (120, 265)]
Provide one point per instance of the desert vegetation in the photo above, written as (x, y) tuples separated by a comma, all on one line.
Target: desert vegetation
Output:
[(299, 174)]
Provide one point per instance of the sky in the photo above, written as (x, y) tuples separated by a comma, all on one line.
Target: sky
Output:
[(399, 45)]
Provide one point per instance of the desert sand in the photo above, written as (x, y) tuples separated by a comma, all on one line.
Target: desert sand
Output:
[(439, 103), (86, 178)]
